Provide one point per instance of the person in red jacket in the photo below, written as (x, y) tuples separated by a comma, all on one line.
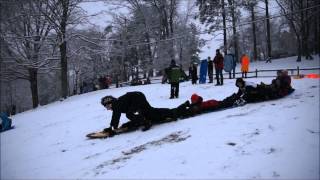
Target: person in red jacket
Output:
[(218, 63), (198, 105)]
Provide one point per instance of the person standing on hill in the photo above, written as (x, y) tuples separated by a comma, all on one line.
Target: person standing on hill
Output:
[(245, 61), (174, 74), (218, 63), (194, 73), (210, 70)]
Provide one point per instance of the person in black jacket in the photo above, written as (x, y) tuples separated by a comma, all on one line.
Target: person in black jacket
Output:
[(134, 104), (194, 73), (139, 111), (210, 70)]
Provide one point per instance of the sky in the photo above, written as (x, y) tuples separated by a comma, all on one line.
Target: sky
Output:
[(214, 41)]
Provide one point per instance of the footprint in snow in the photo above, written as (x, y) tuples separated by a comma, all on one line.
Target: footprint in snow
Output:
[(231, 143), (271, 128), (275, 174), (174, 137)]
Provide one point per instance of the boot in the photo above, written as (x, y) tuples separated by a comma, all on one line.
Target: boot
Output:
[(147, 125)]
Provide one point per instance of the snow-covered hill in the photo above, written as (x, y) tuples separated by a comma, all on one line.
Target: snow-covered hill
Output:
[(269, 140)]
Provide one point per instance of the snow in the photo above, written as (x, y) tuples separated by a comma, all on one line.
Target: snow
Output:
[(267, 140)]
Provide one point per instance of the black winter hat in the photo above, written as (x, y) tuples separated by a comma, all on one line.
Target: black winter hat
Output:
[(239, 80), (173, 62), (107, 100)]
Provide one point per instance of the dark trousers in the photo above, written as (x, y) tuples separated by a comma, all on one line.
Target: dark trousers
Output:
[(159, 115), (210, 74), (194, 79), (244, 74), (174, 90), (219, 76)]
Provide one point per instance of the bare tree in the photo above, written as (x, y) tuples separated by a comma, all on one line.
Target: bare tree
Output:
[(250, 5), (269, 50), (233, 6), (63, 14), (298, 15), (28, 47)]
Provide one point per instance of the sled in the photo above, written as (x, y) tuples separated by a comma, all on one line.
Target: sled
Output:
[(102, 134), (203, 71)]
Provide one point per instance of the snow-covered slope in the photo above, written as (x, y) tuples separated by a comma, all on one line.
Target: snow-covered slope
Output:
[(273, 139)]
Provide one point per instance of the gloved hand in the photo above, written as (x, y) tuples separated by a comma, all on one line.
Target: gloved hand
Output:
[(109, 130)]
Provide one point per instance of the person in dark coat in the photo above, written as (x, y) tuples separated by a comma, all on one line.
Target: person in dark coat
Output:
[(133, 104), (210, 70), (139, 111), (248, 91), (282, 83), (190, 70), (194, 73), (218, 63)]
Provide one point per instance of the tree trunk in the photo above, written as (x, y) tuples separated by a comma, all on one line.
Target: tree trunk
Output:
[(64, 69), (63, 50), (150, 74), (254, 34), (224, 29), (33, 78), (317, 34), (303, 30), (299, 47), (268, 30), (235, 36)]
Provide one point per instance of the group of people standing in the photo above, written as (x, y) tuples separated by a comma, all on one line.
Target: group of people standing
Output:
[(140, 113), (217, 63)]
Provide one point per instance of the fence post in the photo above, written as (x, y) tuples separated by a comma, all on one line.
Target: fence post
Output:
[(298, 71), (256, 73)]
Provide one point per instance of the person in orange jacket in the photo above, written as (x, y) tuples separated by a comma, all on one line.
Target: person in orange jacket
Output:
[(245, 61)]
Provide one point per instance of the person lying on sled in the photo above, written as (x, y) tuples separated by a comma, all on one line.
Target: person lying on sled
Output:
[(282, 83), (138, 111), (251, 92), (279, 87), (248, 91), (198, 106), (133, 104)]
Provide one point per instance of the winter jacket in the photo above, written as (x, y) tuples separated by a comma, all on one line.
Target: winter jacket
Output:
[(131, 103), (218, 61), (285, 85), (245, 63), (197, 100), (174, 74), (194, 73), (249, 92)]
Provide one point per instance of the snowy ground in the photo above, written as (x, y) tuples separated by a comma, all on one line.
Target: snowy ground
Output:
[(268, 140)]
